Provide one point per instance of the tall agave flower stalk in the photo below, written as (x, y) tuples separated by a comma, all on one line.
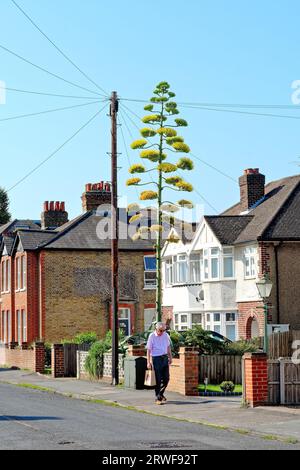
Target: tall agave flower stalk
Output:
[(159, 142)]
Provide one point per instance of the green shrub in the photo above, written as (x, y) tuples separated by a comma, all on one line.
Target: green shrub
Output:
[(94, 361), (239, 348), (95, 358), (227, 386), (86, 338), (202, 339)]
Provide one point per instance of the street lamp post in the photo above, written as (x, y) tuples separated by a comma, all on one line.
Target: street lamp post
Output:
[(264, 287)]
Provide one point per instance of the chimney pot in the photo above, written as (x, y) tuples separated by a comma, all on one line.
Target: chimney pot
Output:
[(96, 195), (46, 206), (52, 206), (57, 206), (62, 206)]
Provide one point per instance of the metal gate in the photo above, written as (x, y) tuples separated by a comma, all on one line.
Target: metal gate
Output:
[(284, 382)]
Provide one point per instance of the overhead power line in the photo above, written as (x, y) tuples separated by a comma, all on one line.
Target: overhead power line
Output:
[(9, 51), (225, 105), (27, 175), (57, 48), (242, 112), (221, 172), (55, 95), (49, 111)]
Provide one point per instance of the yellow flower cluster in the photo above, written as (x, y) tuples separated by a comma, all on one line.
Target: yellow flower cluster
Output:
[(148, 195), (167, 167), (133, 181), (184, 186), (166, 131), (138, 144), (181, 147)]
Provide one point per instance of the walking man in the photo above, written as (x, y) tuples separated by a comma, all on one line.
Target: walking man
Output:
[(159, 356)]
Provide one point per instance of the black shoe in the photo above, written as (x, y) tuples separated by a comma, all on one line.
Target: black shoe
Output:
[(163, 398)]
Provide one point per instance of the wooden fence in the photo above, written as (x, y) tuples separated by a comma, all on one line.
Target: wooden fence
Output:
[(283, 382), (70, 357), (281, 344), (218, 368)]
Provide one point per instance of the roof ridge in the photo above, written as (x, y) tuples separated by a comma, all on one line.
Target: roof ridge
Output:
[(281, 207), (72, 224)]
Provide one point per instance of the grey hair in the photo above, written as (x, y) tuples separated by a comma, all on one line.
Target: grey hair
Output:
[(160, 325)]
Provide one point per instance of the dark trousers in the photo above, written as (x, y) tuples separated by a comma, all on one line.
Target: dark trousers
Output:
[(162, 375)]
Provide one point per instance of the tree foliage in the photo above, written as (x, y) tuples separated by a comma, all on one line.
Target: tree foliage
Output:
[(4, 207)]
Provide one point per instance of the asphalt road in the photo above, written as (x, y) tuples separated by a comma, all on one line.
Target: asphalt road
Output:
[(31, 419)]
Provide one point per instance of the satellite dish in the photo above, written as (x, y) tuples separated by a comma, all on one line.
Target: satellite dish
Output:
[(200, 297)]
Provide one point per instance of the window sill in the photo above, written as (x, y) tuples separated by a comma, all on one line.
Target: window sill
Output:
[(149, 287)]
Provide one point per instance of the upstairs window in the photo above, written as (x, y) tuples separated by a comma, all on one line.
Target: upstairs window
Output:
[(195, 268), (150, 272), (228, 271), (250, 263), (169, 272), (180, 269), (5, 276)]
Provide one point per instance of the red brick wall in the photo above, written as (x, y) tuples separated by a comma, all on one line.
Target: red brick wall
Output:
[(264, 259), (167, 314), (57, 361), (7, 300), (32, 359), (247, 312), (255, 379), (184, 373)]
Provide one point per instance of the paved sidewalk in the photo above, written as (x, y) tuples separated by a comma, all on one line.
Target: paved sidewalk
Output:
[(218, 411)]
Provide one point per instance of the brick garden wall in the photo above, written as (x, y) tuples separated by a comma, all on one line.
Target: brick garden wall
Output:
[(32, 359), (255, 379)]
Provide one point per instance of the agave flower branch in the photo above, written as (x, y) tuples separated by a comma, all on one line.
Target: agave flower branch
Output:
[(161, 124)]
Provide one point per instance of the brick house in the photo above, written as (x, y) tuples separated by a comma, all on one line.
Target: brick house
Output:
[(211, 279), (56, 274)]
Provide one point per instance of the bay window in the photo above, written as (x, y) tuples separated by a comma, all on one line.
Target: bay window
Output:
[(185, 321), (180, 269), (228, 271), (195, 268), (222, 323), (169, 272)]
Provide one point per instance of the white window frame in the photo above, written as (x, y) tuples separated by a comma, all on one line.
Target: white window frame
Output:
[(195, 267), (228, 252), (149, 284), (223, 323), (169, 272), (183, 325), (24, 326), (178, 261), (127, 316), (250, 263)]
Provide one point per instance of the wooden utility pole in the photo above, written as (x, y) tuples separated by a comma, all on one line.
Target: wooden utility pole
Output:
[(114, 240)]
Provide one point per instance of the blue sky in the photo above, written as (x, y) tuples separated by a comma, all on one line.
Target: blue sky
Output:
[(215, 52)]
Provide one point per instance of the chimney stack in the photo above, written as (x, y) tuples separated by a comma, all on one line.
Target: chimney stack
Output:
[(96, 195), (252, 188), (54, 215)]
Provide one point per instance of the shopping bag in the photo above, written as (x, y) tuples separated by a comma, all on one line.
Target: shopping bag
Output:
[(150, 380)]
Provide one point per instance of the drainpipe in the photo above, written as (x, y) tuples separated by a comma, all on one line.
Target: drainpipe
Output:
[(276, 247)]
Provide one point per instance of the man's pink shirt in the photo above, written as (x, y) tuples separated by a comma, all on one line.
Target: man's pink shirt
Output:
[(158, 345)]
